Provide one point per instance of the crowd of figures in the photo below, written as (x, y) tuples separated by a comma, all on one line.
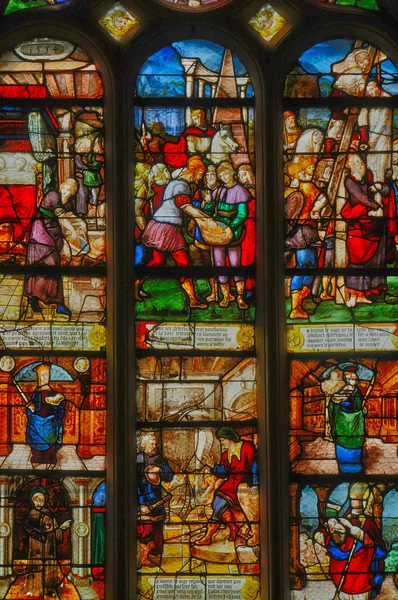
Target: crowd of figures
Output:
[(220, 502), (194, 202), (341, 217), (341, 174)]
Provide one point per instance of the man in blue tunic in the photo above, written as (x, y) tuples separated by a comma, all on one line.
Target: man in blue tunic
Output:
[(152, 470), (45, 414)]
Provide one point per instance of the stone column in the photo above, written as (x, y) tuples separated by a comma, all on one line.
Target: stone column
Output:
[(213, 89), (201, 88), (322, 491), (243, 89), (6, 523), (189, 90), (81, 550), (66, 165), (189, 86)]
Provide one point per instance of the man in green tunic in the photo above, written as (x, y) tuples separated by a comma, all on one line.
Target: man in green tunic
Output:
[(347, 423)]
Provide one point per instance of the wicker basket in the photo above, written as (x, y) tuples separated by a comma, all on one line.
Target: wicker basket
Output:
[(214, 233)]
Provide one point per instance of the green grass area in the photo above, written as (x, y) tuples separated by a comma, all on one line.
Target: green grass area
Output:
[(169, 302), (384, 309), (391, 564)]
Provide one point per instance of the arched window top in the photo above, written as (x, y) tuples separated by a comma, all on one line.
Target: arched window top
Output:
[(15, 5), (342, 66), (48, 68), (194, 69)]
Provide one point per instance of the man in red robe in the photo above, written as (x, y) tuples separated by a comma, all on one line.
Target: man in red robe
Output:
[(195, 139), (356, 548), (238, 465), (370, 237)]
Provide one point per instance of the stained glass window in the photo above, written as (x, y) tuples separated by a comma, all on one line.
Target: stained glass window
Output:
[(267, 22), (197, 473), (339, 143), (52, 322), (119, 22)]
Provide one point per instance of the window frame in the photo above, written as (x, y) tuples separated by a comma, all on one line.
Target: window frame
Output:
[(118, 67)]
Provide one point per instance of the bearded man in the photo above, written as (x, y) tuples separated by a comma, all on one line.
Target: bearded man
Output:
[(368, 235), (291, 133)]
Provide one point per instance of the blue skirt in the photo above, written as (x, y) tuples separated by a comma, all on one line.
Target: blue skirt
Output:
[(349, 460)]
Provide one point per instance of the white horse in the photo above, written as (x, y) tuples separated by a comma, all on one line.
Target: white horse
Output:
[(223, 144)]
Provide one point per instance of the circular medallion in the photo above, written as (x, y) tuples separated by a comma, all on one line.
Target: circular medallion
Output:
[(81, 364), (82, 529), (245, 337), (5, 530), (7, 363)]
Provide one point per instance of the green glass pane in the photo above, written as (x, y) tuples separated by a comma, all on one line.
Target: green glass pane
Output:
[(15, 5)]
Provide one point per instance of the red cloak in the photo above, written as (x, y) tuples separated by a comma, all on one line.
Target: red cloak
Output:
[(359, 576), (176, 153), (239, 469)]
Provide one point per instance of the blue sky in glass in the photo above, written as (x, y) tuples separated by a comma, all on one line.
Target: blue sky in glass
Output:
[(172, 118), (99, 495), (163, 75), (309, 511), (321, 57)]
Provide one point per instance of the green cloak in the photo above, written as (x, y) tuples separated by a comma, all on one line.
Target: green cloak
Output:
[(348, 426)]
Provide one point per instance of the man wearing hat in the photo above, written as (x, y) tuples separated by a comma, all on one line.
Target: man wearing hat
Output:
[(44, 574), (355, 545), (45, 414), (347, 422), (152, 470), (291, 133), (238, 466)]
